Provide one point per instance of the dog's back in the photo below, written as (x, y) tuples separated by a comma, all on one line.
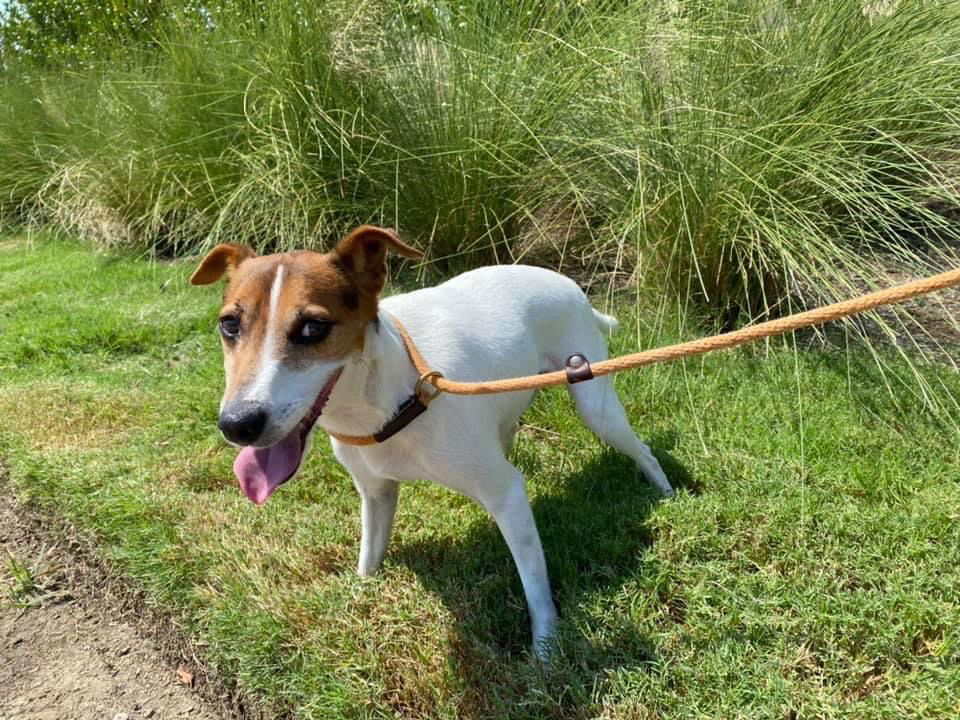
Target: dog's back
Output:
[(503, 320)]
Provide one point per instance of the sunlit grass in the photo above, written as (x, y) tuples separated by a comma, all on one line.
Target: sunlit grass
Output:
[(808, 566)]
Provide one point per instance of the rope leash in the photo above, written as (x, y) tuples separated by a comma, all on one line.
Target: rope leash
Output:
[(579, 369)]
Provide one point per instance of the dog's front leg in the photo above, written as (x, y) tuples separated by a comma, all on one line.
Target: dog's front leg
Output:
[(378, 504), (505, 498)]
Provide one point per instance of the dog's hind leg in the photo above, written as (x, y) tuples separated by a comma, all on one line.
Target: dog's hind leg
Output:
[(596, 399), (378, 504), (601, 410), (508, 431)]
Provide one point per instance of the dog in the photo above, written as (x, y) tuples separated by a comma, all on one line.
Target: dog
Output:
[(308, 342)]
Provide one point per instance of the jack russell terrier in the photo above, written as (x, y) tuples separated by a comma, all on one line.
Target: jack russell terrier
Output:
[(308, 342)]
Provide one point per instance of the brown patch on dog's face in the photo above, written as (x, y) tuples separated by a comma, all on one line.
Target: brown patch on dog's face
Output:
[(316, 315), (290, 321)]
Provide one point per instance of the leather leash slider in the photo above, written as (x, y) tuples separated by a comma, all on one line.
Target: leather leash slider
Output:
[(414, 406), (578, 368)]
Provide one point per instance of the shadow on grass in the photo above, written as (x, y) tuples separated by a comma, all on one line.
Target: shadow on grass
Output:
[(595, 535)]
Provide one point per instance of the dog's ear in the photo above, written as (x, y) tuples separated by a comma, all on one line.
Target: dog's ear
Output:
[(363, 252), (222, 259)]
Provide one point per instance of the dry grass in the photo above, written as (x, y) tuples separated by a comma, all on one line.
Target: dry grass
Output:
[(58, 415)]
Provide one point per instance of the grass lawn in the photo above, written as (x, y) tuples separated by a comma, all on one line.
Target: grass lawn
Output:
[(809, 567)]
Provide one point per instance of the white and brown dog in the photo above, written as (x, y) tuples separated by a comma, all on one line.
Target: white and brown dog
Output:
[(307, 342)]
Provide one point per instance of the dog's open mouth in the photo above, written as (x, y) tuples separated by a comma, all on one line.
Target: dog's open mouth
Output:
[(262, 470)]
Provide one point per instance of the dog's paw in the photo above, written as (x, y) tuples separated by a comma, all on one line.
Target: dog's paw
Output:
[(544, 639), (661, 485), (542, 648)]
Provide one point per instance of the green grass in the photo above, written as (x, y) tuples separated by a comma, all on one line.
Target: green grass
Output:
[(31, 583), (808, 568)]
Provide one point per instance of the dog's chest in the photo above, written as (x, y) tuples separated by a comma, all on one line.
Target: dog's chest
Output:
[(395, 461)]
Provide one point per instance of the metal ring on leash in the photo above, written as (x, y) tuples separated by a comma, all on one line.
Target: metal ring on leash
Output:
[(427, 377)]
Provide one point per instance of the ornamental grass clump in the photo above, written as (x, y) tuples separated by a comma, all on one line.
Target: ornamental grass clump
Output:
[(742, 156)]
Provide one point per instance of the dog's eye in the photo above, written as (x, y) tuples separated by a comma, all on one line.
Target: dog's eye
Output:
[(312, 331), (230, 326)]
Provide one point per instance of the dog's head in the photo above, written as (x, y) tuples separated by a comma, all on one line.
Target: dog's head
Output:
[(288, 324)]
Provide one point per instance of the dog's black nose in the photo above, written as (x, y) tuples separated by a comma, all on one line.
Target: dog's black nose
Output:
[(242, 426)]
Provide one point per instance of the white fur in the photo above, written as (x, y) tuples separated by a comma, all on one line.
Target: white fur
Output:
[(495, 322)]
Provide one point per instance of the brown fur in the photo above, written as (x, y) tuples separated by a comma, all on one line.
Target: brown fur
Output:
[(222, 259), (340, 286), (363, 253)]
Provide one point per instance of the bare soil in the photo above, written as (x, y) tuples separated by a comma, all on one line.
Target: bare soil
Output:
[(73, 644)]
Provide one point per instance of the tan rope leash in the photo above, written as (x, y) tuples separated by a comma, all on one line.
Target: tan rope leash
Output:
[(576, 372)]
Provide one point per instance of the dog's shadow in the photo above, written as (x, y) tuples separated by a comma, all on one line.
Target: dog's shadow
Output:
[(593, 524)]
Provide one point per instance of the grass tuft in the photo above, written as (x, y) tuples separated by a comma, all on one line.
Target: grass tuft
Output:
[(32, 584)]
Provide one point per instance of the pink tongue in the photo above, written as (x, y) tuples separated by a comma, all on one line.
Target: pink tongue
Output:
[(262, 470)]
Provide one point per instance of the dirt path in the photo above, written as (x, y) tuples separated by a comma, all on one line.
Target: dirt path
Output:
[(74, 654)]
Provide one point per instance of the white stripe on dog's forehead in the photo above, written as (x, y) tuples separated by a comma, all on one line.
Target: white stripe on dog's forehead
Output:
[(270, 343), (275, 289), (269, 365)]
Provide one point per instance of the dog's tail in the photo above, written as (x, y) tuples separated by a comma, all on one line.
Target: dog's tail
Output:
[(608, 325)]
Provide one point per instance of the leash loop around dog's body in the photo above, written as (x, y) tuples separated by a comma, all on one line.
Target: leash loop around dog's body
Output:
[(577, 371)]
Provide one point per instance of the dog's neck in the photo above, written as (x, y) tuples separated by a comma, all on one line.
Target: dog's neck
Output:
[(375, 381)]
